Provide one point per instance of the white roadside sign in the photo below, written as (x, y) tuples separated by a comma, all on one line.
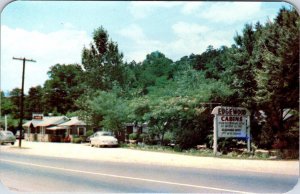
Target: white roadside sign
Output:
[(231, 122)]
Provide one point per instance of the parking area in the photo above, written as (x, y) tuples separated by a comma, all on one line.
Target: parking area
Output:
[(85, 151)]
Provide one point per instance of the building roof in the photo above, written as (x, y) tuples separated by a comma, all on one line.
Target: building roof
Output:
[(47, 121), (60, 122), (74, 121), (56, 120), (33, 122)]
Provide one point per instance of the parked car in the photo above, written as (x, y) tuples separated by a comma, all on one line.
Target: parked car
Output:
[(18, 135), (7, 137), (103, 138), (88, 139)]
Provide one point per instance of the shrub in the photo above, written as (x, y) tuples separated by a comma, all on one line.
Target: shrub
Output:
[(83, 138), (77, 140), (89, 133), (262, 155), (75, 136), (232, 154), (143, 137), (177, 148), (288, 154), (168, 138), (133, 136), (247, 154)]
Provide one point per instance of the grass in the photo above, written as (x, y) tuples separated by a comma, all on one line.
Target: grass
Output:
[(258, 155), (168, 149)]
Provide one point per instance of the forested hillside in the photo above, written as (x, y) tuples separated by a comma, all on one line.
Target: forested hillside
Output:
[(260, 71)]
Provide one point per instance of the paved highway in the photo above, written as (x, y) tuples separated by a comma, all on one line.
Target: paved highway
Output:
[(39, 174)]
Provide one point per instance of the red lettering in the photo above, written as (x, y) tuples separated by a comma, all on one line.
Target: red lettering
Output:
[(231, 119)]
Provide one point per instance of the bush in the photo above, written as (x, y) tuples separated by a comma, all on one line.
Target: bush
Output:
[(143, 137), (262, 155), (133, 136), (168, 138), (83, 138), (177, 148), (77, 140), (288, 154), (233, 154), (75, 136), (209, 140), (89, 133)]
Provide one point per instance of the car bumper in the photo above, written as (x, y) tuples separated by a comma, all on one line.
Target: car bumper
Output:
[(108, 143)]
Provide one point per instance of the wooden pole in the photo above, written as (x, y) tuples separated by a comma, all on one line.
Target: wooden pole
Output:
[(22, 97)]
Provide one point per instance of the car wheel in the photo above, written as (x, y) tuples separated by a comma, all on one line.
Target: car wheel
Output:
[(12, 143)]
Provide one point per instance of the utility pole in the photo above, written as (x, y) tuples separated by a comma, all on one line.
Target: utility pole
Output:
[(22, 98)]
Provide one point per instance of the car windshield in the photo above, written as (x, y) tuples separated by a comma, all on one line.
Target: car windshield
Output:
[(7, 133), (106, 134)]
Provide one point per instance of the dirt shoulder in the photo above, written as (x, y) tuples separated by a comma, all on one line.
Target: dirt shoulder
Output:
[(84, 151)]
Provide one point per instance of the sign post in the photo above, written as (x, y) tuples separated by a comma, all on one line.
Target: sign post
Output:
[(215, 135), (248, 134), (231, 122)]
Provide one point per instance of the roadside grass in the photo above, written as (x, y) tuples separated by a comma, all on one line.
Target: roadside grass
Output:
[(235, 154)]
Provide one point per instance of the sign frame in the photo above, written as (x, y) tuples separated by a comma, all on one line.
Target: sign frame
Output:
[(231, 113)]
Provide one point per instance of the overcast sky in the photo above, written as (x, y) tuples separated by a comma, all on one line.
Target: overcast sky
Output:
[(55, 32)]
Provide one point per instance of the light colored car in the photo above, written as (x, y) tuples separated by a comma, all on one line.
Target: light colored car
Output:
[(7, 137), (103, 138)]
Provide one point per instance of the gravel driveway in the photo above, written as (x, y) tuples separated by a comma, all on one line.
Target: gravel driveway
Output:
[(84, 151)]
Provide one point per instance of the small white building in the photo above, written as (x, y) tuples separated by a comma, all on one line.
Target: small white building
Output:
[(53, 128)]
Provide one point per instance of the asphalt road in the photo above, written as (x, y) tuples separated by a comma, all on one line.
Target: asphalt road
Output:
[(49, 174)]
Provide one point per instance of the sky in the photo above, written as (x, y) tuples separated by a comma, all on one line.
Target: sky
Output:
[(55, 32)]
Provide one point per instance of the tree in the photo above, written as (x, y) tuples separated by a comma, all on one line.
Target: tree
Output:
[(63, 88), (33, 102), (156, 67), (102, 62), (277, 77), (7, 105), (113, 110), (14, 96), (243, 68)]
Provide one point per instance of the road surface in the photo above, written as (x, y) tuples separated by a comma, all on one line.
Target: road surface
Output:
[(29, 173)]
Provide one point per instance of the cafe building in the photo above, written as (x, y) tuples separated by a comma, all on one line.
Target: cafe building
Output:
[(53, 128)]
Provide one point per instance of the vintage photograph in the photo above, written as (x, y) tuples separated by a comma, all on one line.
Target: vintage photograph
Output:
[(149, 97)]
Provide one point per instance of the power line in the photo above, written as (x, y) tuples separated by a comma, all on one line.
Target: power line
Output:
[(22, 97)]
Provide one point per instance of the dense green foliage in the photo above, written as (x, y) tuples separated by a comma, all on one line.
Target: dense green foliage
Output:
[(175, 98)]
